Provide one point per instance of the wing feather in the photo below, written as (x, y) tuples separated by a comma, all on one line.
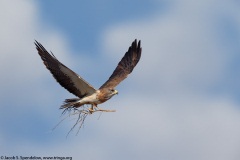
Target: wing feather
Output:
[(63, 75), (125, 66)]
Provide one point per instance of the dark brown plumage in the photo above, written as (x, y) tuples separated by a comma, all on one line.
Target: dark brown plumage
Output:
[(68, 79), (125, 66), (82, 89)]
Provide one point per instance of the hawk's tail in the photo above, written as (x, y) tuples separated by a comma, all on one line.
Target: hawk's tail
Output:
[(70, 103)]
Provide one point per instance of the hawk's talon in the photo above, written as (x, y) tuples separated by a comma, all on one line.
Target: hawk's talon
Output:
[(91, 110)]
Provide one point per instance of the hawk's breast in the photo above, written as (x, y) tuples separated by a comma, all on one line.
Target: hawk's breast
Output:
[(91, 99)]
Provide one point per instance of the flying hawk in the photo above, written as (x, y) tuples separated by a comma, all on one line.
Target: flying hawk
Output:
[(76, 85)]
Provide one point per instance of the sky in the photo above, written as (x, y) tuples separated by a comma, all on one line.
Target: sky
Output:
[(180, 103)]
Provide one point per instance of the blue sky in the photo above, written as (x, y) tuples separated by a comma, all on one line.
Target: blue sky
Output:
[(83, 21), (180, 102)]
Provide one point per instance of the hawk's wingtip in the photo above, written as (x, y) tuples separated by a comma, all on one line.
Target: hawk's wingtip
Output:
[(137, 42), (37, 43)]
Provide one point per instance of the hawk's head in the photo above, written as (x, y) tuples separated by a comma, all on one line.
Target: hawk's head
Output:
[(110, 92), (113, 91), (106, 94)]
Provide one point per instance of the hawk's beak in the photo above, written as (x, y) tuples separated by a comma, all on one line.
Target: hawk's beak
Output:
[(115, 92)]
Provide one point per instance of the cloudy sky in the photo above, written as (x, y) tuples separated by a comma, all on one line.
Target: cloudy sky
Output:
[(182, 101)]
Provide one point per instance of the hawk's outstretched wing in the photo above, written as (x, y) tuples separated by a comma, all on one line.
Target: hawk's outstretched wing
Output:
[(125, 66), (65, 76)]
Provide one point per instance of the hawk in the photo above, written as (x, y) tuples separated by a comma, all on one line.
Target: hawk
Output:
[(85, 92)]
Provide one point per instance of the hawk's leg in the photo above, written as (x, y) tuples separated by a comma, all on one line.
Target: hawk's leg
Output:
[(91, 109)]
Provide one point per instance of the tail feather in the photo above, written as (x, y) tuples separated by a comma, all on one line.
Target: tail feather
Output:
[(71, 100), (69, 103)]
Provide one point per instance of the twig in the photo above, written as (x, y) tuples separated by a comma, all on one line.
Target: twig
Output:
[(82, 112)]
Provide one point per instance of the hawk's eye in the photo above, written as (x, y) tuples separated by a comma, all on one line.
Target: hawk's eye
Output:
[(112, 90)]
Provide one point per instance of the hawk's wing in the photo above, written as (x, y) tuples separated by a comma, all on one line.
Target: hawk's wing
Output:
[(125, 66), (65, 76)]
